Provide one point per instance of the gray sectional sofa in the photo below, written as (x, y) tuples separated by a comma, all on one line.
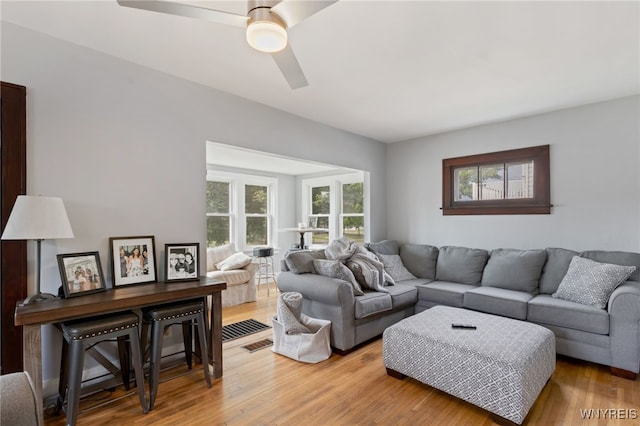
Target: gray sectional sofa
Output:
[(520, 284)]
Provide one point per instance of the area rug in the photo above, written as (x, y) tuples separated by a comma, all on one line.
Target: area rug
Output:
[(260, 344), (241, 329)]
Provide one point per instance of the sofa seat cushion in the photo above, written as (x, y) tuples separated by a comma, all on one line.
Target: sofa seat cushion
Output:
[(545, 309), (403, 295), (415, 282), (232, 277), (498, 301), (444, 293), (514, 269), (371, 303)]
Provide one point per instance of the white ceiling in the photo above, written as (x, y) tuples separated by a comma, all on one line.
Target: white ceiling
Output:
[(389, 70)]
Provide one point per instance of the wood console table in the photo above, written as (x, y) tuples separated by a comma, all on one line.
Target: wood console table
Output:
[(32, 317)]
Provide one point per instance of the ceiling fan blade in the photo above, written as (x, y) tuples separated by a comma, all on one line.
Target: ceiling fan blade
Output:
[(189, 11), (294, 11), (290, 68)]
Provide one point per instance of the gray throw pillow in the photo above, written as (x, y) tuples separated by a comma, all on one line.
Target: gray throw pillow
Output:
[(461, 264), (514, 269), (394, 267), (301, 261), (420, 259), (591, 283), (336, 269)]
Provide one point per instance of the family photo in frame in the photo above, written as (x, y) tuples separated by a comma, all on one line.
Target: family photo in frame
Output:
[(182, 261), (132, 260), (81, 273)]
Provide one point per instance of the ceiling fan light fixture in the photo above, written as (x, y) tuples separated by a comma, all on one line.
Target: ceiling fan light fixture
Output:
[(266, 36)]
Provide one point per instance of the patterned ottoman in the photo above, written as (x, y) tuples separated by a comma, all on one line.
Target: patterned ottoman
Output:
[(500, 366)]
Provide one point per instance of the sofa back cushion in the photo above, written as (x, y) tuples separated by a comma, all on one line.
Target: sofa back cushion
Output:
[(461, 264), (301, 261), (514, 269), (420, 259), (555, 268), (623, 258), (384, 247)]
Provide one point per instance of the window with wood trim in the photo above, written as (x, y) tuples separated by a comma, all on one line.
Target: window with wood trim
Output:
[(505, 182)]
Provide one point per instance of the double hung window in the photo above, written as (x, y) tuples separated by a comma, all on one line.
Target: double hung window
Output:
[(337, 204), (240, 209)]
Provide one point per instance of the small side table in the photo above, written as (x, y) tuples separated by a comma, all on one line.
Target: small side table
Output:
[(303, 231)]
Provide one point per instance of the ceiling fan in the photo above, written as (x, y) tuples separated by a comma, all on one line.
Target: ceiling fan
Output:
[(266, 25)]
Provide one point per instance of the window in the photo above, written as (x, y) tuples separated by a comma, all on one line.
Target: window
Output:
[(321, 209), (505, 182), (218, 213), (256, 214), (338, 204), (240, 210), (352, 216)]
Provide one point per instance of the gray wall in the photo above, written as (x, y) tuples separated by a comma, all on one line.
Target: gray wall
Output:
[(595, 182), (124, 147)]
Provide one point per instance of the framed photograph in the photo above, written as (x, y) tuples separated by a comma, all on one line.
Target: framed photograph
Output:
[(81, 273), (133, 260), (182, 262), (313, 222)]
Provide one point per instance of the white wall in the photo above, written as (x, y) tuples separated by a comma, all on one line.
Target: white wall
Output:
[(595, 182), (124, 147)]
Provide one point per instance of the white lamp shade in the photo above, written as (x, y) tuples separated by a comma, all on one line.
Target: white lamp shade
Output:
[(37, 218)]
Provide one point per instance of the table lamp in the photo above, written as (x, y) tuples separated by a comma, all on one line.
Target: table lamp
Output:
[(37, 218)]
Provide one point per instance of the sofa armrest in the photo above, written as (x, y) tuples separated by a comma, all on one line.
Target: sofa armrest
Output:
[(330, 291), (624, 328), (325, 298)]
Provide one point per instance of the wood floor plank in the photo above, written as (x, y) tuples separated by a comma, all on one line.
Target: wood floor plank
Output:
[(262, 388)]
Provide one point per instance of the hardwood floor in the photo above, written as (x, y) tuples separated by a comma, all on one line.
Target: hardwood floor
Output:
[(265, 388)]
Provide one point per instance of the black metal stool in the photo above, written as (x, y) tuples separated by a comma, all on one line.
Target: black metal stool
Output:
[(81, 335), (163, 316), (263, 256)]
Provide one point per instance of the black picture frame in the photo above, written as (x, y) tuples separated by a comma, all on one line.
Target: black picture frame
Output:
[(182, 254), (133, 260), (81, 273)]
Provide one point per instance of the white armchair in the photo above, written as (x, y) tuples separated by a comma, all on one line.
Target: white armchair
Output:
[(18, 400), (237, 270)]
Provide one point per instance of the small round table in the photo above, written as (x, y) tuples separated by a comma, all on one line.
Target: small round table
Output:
[(303, 231)]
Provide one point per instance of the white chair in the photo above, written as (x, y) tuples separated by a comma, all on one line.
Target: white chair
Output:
[(18, 400), (237, 270)]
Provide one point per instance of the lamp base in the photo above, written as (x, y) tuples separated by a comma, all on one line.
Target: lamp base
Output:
[(37, 298)]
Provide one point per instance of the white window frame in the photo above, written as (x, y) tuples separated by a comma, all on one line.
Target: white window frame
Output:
[(238, 223), (335, 183)]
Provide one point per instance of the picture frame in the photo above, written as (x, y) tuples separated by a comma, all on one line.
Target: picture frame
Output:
[(313, 222), (182, 261), (81, 273), (133, 260)]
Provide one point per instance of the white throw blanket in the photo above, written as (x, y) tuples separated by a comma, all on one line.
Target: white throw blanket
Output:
[(346, 250), (288, 311)]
